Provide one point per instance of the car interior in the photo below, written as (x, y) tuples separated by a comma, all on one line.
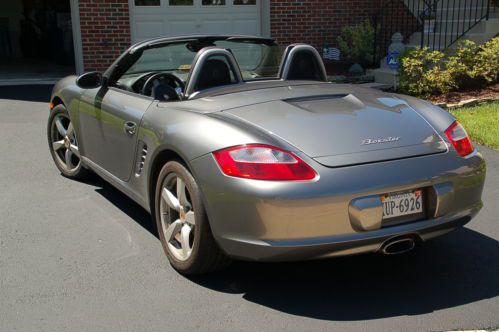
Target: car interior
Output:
[(302, 62), (214, 67)]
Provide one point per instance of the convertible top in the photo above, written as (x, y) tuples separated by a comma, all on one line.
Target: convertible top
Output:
[(127, 58), (161, 41)]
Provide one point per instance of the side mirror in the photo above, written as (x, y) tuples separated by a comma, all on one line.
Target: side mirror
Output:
[(91, 80)]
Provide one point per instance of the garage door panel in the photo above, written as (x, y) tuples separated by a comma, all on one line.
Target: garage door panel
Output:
[(214, 26), (246, 26), (148, 29), (180, 27), (166, 20)]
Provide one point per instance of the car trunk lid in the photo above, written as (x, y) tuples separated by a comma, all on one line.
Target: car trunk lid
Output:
[(346, 129)]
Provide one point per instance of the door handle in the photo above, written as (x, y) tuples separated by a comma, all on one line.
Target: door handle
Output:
[(130, 127)]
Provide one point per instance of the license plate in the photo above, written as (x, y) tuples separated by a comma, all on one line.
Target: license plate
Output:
[(402, 204)]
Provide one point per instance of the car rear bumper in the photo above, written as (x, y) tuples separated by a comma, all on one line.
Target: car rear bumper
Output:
[(284, 221), (341, 245)]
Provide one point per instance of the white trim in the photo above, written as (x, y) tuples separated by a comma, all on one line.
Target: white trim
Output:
[(265, 18), (131, 4), (75, 26)]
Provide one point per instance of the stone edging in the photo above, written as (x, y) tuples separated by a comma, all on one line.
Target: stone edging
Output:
[(465, 103)]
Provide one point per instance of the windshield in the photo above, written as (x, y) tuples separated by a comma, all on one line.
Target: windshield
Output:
[(257, 61)]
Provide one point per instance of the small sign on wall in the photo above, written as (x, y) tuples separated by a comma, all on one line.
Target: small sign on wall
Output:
[(392, 60)]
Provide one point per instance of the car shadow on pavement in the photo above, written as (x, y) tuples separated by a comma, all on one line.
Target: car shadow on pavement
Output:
[(455, 269), (123, 202)]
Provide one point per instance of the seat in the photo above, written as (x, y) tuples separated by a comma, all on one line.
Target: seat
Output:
[(302, 62), (163, 92), (304, 67), (214, 73), (212, 67)]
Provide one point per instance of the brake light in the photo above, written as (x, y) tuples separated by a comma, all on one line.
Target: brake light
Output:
[(263, 162), (459, 138)]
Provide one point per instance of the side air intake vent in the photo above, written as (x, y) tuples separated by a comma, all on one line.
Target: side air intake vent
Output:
[(142, 159)]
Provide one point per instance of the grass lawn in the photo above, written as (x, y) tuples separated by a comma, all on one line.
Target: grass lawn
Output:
[(481, 123)]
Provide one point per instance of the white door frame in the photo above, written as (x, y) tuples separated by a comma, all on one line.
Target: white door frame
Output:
[(75, 26), (265, 21)]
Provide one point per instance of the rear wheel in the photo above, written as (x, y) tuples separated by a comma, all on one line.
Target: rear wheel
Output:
[(182, 223), (63, 144)]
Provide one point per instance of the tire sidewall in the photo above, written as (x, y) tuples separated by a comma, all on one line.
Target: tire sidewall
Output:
[(201, 220), (78, 171)]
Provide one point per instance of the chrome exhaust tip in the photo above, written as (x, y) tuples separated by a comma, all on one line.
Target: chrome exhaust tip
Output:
[(398, 246)]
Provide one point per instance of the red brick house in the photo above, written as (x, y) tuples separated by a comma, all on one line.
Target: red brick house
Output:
[(89, 34), (109, 26)]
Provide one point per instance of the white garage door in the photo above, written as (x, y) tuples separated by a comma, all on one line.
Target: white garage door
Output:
[(156, 18)]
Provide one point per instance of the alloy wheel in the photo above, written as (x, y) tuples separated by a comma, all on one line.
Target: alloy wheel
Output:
[(177, 217), (64, 142)]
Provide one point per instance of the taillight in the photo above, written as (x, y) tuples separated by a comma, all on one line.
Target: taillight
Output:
[(459, 138), (263, 162)]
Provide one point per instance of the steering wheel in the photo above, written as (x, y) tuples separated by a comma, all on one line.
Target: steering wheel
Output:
[(165, 78)]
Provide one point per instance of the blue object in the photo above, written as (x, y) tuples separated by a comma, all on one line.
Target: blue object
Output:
[(392, 60)]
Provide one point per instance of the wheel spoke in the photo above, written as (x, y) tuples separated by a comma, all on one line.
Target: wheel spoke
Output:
[(184, 240), (181, 194), (172, 230), (57, 145), (74, 149), (67, 157), (170, 199), (70, 130), (60, 127), (189, 218)]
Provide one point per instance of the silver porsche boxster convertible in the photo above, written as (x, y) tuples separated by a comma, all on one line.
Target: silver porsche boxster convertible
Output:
[(241, 149)]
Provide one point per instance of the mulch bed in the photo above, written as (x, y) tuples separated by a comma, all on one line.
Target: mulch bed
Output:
[(460, 98)]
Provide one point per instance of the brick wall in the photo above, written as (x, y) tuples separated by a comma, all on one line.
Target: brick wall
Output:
[(105, 31), (395, 17), (316, 21), (105, 24)]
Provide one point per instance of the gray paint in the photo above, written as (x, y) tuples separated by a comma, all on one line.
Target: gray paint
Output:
[(80, 256), (323, 123)]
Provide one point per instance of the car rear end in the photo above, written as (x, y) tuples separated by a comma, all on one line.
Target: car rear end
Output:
[(341, 211), (385, 178)]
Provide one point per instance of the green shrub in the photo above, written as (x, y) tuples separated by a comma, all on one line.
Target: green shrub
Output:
[(461, 61), (424, 72), (487, 61), (356, 42)]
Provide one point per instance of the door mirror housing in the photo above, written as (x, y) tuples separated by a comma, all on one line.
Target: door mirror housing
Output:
[(91, 80)]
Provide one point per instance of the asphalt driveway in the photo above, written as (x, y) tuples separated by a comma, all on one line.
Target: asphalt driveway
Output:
[(82, 256)]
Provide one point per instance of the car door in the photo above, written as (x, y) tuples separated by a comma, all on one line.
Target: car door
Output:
[(109, 119)]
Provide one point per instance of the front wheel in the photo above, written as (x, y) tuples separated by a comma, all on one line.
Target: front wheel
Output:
[(182, 223), (63, 145)]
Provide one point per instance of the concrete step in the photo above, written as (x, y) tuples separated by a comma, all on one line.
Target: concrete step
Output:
[(439, 39), (384, 76), (482, 26), (490, 26), (460, 3), (460, 12), (449, 7)]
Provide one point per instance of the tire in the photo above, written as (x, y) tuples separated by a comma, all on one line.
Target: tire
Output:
[(190, 247), (63, 145)]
